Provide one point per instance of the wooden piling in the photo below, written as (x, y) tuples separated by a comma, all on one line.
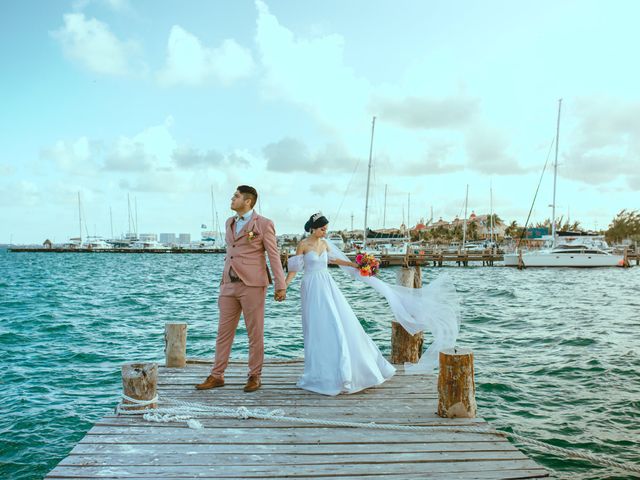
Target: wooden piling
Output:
[(456, 384), (175, 345), (404, 346), (140, 382)]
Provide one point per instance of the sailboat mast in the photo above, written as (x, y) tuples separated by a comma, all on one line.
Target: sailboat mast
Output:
[(213, 209), (409, 217), (555, 175), (366, 203), (384, 211), (129, 215), (80, 218), (135, 201), (464, 224)]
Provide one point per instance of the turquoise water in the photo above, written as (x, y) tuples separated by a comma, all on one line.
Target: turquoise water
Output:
[(556, 351)]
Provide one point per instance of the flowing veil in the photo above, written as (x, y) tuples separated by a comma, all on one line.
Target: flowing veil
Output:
[(434, 308)]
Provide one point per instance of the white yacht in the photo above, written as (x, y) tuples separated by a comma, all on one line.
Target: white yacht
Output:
[(570, 254), (96, 243), (150, 245), (565, 251), (336, 239)]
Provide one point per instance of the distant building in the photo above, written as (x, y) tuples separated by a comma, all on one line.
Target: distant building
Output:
[(148, 237), (168, 238), (482, 225), (184, 238), (288, 237)]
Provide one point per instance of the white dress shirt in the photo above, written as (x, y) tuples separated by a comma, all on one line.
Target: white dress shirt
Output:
[(242, 220)]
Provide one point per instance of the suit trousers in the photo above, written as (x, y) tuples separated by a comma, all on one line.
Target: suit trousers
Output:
[(237, 298)]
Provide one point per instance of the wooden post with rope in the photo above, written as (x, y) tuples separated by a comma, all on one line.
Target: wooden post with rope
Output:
[(175, 345), (456, 384), (404, 346), (139, 382), (521, 264)]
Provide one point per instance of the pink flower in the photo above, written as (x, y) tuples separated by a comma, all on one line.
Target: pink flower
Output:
[(359, 258)]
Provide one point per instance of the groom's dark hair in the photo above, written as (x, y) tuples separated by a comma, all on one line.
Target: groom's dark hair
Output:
[(249, 193)]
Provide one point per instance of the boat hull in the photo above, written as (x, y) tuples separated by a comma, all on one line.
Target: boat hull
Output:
[(583, 260)]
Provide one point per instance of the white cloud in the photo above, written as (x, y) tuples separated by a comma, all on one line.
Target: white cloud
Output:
[(311, 73), (119, 6), (487, 150), (436, 161), (291, 155), (148, 150), (634, 182), (428, 113), (78, 157), (20, 194), (189, 62), (129, 155), (606, 143), (6, 170), (190, 157), (156, 181), (91, 43)]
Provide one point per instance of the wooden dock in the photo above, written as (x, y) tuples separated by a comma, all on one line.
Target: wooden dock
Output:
[(115, 250), (438, 259), (127, 447)]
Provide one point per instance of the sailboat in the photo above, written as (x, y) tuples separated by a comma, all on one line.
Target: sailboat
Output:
[(213, 238), (565, 251), (375, 242)]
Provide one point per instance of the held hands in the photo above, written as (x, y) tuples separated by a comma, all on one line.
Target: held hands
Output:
[(280, 295)]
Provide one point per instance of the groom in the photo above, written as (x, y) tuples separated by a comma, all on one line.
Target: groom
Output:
[(244, 285)]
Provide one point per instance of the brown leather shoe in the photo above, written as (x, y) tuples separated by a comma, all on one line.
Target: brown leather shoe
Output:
[(210, 382), (253, 383)]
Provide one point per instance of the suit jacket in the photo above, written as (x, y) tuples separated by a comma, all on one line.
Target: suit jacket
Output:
[(246, 252)]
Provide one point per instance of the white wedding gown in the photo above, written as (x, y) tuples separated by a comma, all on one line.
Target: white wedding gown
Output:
[(339, 356)]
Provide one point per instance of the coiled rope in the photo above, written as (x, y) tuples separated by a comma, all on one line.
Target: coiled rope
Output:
[(180, 411)]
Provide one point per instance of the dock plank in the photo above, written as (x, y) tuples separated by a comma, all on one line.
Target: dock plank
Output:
[(127, 447)]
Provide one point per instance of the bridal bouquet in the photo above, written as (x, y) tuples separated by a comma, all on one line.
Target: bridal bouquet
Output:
[(368, 264)]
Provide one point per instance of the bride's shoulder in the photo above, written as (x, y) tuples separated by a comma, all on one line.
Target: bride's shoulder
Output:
[(302, 247)]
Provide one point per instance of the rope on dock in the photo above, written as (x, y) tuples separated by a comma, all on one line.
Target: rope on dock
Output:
[(180, 411)]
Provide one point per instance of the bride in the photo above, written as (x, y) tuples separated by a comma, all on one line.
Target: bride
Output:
[(339, 356)]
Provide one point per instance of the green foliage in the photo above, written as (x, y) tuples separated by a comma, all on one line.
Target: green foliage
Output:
[(625, 225)]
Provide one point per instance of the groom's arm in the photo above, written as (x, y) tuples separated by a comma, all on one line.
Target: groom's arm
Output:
[(271, 247)]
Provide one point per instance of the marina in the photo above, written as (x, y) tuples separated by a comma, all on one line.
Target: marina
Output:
[(437, 258), (116, 250), (64, 344)]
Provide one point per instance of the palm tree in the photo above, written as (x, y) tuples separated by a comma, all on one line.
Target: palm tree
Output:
[(496, 220), (625, 225), (472, 230), (512, 230)]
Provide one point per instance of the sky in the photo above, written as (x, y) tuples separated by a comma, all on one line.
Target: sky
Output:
[(160, 104)]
